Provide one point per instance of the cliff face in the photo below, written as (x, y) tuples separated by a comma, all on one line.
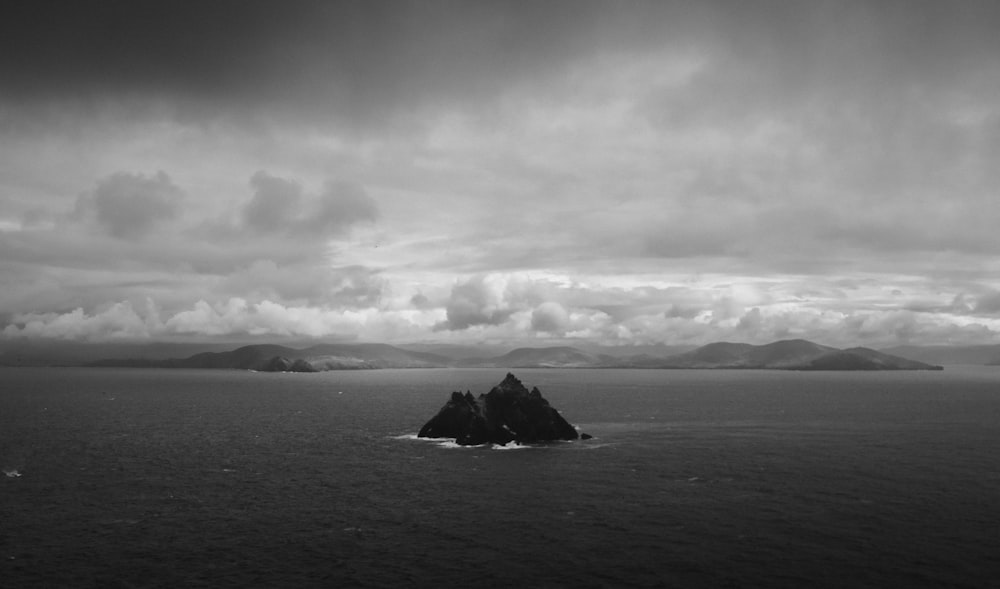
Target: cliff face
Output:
[(508, 413)]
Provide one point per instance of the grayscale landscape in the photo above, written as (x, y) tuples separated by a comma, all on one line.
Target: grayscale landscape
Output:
[(439, 293)]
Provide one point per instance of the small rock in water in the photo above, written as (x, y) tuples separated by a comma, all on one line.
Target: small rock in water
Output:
[(508, 413)]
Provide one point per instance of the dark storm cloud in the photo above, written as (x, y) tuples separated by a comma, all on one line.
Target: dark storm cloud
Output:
[(52, 48), (280, 207), (356, 61), (128, 206), (350, 59)]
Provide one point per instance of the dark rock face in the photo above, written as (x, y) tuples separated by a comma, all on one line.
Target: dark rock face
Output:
[(508, 413)]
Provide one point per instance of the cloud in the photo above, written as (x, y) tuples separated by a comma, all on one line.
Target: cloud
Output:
[(130, 237), (420, 301), (750, 322), (550, 317), (280, 210), (274, 204), (477, 301), (675, 311), (129, 206), (988, 303), (646, 172), (338, 207), (510, 309), (116, 322), (278, 205), (231, 318)]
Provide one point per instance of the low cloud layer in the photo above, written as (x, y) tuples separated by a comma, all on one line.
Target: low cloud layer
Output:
[(483, 311)]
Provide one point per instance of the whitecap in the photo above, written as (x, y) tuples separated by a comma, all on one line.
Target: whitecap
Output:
[(13, 474), (512, 446)]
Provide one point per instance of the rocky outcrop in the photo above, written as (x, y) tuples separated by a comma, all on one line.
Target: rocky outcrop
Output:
[(508, 413)]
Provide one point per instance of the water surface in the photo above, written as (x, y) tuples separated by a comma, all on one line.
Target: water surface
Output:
[(145, 478)]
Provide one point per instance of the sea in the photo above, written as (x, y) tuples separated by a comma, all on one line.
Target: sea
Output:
[(117, 477)]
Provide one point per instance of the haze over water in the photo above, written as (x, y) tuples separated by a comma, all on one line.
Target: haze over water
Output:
[(694, 478)]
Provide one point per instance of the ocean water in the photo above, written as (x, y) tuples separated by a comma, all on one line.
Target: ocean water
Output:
[(175, 478)]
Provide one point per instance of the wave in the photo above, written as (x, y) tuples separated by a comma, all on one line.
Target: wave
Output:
[(514, 446), (451, 443), (439, 442)]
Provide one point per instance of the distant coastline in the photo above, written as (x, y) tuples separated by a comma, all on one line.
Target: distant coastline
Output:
[(793, 354)]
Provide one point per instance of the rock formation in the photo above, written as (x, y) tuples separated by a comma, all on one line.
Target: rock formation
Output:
[(508, 413)]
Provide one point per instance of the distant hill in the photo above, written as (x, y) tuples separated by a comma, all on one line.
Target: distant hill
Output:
[(780, 354), (457, 351), (979, 355), (267, 357), (552, 357), (791, 355), (795, 354), (864, 359)]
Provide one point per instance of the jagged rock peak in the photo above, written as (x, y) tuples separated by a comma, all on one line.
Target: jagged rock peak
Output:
[(509, 412), (510, 384)]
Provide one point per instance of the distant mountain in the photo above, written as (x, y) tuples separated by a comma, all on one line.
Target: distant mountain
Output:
[(782, 355), (634, 351), (864, 359), (794, 354), (791, 355), (271, 358), (553, 357), (457, 351), (985, 354)]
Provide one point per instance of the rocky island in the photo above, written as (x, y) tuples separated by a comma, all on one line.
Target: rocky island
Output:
[(508, 413)]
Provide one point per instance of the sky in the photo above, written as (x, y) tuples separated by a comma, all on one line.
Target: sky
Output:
[(525, 173)]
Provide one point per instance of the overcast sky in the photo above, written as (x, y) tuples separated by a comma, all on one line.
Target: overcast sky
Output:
[(506, 172)]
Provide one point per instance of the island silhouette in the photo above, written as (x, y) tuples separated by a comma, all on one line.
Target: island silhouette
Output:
[(509, 412)]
